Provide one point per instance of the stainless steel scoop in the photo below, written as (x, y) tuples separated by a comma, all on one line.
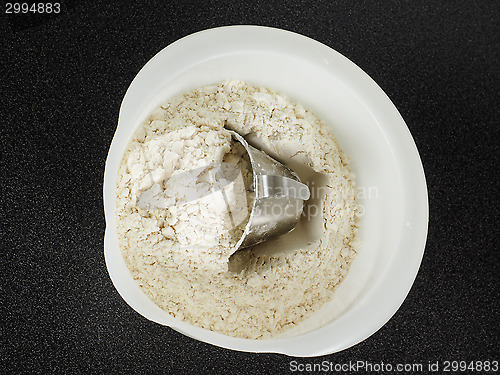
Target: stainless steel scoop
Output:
[(279, 197)]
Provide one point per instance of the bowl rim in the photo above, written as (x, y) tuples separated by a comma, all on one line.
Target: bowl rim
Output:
[(414, 222)]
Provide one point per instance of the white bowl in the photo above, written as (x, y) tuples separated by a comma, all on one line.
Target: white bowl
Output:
[(369, 128)]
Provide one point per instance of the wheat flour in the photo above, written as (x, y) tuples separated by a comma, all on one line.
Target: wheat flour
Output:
[(174, 229)]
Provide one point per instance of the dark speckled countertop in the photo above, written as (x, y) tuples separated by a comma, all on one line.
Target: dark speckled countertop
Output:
[(63, 79)]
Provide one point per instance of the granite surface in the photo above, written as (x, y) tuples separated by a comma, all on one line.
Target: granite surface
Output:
[(63, 79)]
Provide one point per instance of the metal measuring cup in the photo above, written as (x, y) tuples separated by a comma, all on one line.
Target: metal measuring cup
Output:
[(279, 198)]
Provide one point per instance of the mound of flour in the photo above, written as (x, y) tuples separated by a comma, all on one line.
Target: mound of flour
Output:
[(184, 177), (176, 232)]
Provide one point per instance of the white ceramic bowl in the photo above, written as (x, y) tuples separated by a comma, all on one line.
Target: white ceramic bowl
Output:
[(369, 128)]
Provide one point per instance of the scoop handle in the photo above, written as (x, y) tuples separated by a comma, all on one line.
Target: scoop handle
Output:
[(280, 186)]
